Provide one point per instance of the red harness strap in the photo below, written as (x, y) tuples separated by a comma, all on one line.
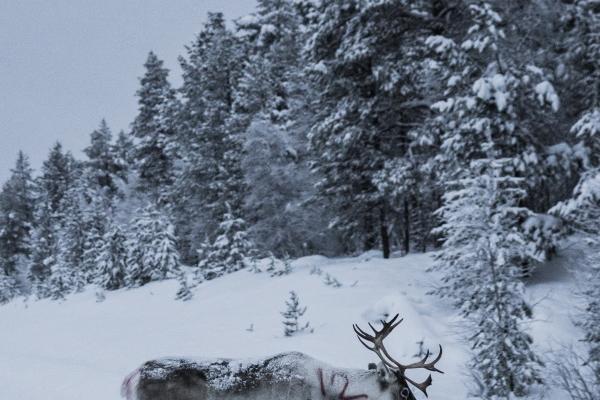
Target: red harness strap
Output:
[(342, 395)]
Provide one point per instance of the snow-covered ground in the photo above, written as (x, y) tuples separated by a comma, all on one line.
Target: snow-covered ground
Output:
[(82, 349)]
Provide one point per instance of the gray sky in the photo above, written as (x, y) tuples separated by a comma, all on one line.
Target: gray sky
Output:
[(65, 64)]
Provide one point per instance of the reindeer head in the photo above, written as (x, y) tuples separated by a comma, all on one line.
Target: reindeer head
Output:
[(390, 371)]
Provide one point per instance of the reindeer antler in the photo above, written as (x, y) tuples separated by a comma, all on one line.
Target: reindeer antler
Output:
[(379, 349)]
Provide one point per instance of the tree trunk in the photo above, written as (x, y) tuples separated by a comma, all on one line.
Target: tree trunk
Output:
[(406, 227), (385, 236), (370, 227)]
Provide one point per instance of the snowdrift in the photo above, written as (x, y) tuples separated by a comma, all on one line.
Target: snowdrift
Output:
[(82, 349)]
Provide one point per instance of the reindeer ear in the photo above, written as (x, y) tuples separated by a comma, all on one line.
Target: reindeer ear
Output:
[(383, 377), (383, 374), (372, 366)]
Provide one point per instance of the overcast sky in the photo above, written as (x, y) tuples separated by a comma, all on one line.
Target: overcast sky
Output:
[(65, 64)]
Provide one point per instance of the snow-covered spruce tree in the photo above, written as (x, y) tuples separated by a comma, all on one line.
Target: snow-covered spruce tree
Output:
[(123, 149), (104, 167), (490, 159), (63, 279), (112, 259), (273, 38), (211, 150), (71, 238), (280, 186), (583, 53), (590, 323), (8, 286), (306, 10), (58, 175), (96, 216), (151, 248), (364, 58), (292, 315), (488, 95), (16, 222), (481, 275), (272, 266), (229, 252), (332, 281), (16, 210), (154, 127), (285, 267), (184, 293), (44, 249), (485, 99), (83, 215), (67, 273), (585, 48), (582, 213), (271, 110)]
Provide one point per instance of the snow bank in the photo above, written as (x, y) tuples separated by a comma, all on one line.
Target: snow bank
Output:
[(82, 349)]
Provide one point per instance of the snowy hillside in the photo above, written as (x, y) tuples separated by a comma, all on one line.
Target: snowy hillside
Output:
[(82, 349)]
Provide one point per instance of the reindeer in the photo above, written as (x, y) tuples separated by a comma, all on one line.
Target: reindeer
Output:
[(292, 375)]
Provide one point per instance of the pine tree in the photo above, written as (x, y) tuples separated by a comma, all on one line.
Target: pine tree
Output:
[(482, 275), (96, 216), (581, 209), (152, 253), (62, 279), (70, 230), (272, 266), (489, 105), (306, 10), (582, 213), (44, 248), (271, 109), (490, 158), (16, 207), (229, 252), (292, 315), (274, 41), (583, 48), (166, 257), (8, 286), (105, 169), (82, 223), (364, 61), (184, 293), (123, 150), (280, 187), (488, 94), (112, 259), (71, 237), (155, 130), (268, 96), (285, 267), (58, 175), (590, 321), (212, 174), (16, 221), (332, 281)]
